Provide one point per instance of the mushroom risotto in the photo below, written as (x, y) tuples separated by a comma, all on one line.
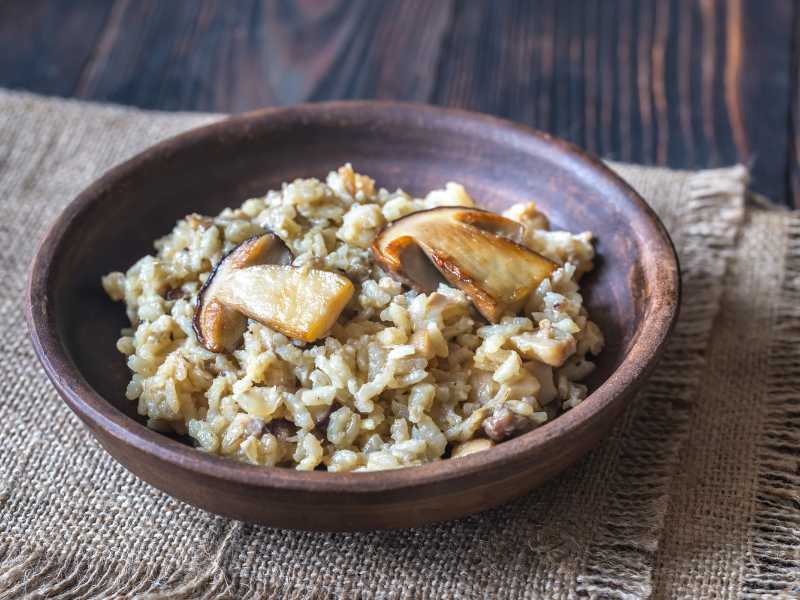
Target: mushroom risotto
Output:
[(333, 325)]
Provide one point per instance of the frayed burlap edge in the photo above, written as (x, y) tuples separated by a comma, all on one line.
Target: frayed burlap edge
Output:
[(708, 225), (773, 568), (27, 571)]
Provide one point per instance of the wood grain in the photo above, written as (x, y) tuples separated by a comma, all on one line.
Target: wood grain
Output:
[(44, 49), (238, 56), (794, 156), (684, 83)]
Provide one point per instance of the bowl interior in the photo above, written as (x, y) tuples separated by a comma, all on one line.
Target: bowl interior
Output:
[(400, 146)]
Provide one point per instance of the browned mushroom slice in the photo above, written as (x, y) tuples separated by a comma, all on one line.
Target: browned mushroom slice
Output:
[(217, 327), (491, 222), (503, 425), (299, 302), (474, 250), (404, 258)]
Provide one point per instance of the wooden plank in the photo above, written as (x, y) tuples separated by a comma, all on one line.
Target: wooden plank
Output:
[(794, 154), (236, 56), (756, 88), (44, 46), (684, 83)]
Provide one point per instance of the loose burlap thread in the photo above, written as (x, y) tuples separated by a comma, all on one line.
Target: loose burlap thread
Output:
[(695, 494)]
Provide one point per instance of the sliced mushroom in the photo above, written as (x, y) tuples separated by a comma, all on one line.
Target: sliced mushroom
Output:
[(299, 302), (219, 328), (491, 223), (474, 250)]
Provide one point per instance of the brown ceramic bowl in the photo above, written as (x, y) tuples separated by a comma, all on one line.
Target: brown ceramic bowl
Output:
[(632, 294)]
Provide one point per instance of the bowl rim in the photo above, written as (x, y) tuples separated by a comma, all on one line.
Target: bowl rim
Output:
[(99, 413)]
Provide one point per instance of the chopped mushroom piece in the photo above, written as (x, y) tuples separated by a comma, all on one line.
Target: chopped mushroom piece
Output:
[(474, 250), (299, 302), (219, 328), (504, 424), (281, 429), (174, 294), (471, 447), (324, 415)]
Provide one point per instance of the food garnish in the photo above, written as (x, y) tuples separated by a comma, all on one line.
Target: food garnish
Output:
[(219, 328), (474, 250)]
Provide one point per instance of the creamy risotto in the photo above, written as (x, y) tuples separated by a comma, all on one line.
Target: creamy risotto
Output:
[(322, 348)]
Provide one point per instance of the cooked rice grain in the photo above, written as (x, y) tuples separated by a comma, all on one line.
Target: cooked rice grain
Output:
[(401, 378)]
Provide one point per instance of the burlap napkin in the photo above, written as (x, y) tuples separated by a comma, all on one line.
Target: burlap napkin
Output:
[(694, 495)]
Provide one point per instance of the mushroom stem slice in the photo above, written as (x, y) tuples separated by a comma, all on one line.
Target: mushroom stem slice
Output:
[(301, 303), (474, 250), (217, 327)]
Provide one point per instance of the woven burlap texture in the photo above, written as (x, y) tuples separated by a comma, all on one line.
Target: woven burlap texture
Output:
[(694, 494)]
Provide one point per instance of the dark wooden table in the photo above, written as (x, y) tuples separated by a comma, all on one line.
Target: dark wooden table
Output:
[(685, 83)]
